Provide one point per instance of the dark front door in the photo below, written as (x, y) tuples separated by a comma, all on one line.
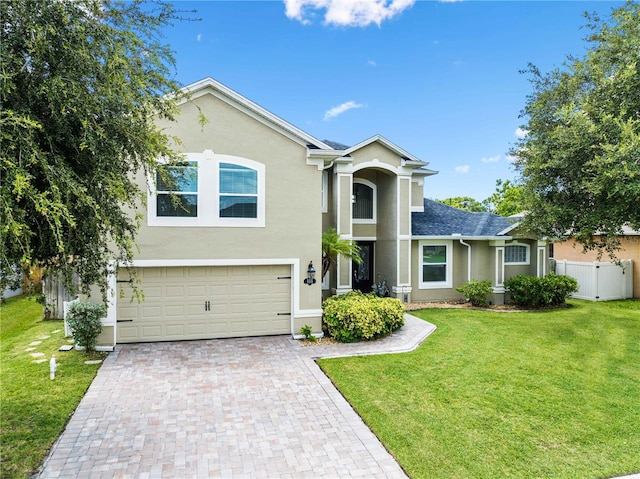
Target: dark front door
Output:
[(363, 272)]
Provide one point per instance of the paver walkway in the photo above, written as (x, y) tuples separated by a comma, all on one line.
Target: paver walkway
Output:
[(249, 407)]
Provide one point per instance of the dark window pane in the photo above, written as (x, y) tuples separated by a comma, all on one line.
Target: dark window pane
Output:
[(434, 272), (177, 205), (238, 207), (363, 205)]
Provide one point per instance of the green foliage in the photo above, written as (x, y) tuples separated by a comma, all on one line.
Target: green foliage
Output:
[(334, 246), (476, 291), (355, 317), (307, 331), (579, 161), (84, 319), (464, 203), (507, 200), (531, 291), (81, 86), (35, 410)]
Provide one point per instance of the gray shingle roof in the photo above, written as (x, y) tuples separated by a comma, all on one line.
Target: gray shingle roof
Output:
[(443, 220), (335, 145)]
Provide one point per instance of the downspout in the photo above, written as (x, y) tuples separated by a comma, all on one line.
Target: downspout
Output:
[(459, 236)]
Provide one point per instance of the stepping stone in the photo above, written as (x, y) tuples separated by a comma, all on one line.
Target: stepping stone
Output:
[(36, 355), (93, 361), (38, 361), (65, 347), (30, 349), (44, 337), (35, 343), (56, 331)]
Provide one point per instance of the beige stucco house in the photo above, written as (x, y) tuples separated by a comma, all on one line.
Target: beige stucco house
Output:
[(225, 250)]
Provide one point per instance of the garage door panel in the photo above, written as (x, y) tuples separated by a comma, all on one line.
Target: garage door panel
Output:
[(241, 301)]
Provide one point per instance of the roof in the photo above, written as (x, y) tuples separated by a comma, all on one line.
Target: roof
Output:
[(443, 220)]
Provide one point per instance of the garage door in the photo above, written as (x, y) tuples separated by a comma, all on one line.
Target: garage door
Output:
[(206, 302)]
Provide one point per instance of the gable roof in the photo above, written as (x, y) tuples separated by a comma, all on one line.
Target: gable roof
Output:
[(210, 86), (440, 220)]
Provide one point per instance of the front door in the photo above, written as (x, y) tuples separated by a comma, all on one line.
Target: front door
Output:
[(363, 272)]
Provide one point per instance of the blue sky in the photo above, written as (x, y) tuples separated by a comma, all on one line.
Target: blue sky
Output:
[(439, 79)]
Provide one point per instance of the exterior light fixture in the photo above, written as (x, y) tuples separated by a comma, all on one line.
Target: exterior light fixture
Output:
[(311, 274)]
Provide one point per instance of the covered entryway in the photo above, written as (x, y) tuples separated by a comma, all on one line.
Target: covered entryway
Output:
[(205, 302)]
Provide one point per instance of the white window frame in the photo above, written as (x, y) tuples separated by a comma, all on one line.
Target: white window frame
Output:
[(448, 283), (187, 164), (209, 194), (517, 263), (374, 208)]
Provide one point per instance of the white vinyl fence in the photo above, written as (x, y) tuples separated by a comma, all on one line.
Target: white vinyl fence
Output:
[(599, 281)]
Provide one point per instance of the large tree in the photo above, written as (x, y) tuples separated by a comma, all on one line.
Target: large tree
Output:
[(580, 161), (507, 200), (464, 203), (81, 84)]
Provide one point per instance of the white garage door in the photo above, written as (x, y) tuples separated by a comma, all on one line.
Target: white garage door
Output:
[(206, 302)]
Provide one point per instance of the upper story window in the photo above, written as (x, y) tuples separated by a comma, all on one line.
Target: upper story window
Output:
[(208, 190), (177, 193), (364, 201), (435, 264), (238, 191), (515, 254)]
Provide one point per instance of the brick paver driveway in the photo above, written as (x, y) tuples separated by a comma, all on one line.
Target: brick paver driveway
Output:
[(250, 407)]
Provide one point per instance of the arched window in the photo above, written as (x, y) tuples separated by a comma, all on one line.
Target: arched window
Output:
[(364, 201)]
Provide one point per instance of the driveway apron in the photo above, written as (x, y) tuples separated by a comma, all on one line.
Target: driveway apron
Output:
[(248, 407)]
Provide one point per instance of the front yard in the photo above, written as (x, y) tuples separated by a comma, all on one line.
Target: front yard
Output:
[(34, 409), (552, 394)]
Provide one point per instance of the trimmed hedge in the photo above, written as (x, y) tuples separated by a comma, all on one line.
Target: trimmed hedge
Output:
[(476, 291), (531, 291), (84, 319), (355, 317)]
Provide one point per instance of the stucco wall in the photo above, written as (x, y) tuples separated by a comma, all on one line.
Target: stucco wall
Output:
[(630, 249)]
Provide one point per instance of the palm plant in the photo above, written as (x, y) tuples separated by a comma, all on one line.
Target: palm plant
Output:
[(333, 246)]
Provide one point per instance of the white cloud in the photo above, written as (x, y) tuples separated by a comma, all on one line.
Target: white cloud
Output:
[(340, 109), (491, 159), (462, 169), (520, 133), (511, 158), (372, 63), (199, 37), (346, 13)]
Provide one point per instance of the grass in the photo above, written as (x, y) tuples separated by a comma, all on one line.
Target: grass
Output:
[(552, 394), (33, 409)]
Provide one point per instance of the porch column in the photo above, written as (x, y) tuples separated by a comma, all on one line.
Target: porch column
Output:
[(402, 288), (343, 197)]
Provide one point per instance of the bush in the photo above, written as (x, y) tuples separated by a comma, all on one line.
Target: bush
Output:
[(558, 287), (84, 319), (531, 291), (476, 291), (355, 317)]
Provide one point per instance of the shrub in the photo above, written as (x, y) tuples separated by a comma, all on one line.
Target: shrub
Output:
[(84, 319), (355, 317), (476, 291), (531, 291), (558, 287)]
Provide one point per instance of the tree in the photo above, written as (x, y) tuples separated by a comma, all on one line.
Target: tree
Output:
[(580, 161), (464, 203), (81, 85), (333, 246), (507, 200)]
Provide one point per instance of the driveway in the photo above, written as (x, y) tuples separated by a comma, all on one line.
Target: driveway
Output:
[(249, 407)]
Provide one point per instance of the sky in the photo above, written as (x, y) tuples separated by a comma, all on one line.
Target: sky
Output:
[(441, 79)]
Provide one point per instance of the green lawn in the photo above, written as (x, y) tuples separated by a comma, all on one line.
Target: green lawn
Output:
[(33, 409), (552, 394)]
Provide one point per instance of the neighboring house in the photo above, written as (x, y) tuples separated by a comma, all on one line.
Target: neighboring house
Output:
[(629, 249), (225, 250)]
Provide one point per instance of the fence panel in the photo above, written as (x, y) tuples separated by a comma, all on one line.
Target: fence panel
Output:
[(599, 281)]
